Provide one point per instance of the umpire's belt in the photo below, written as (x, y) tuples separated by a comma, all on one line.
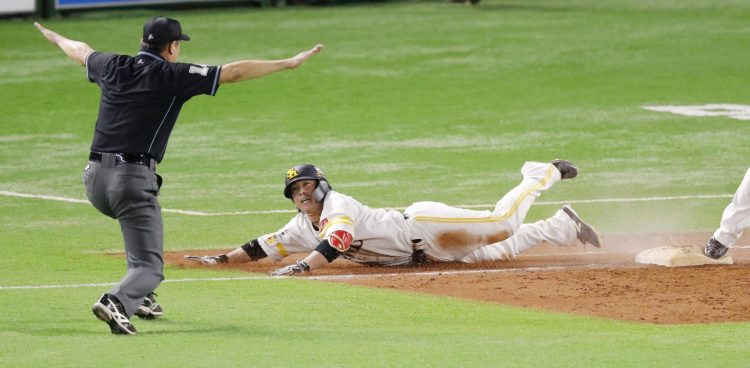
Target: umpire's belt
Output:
[(125, 158)]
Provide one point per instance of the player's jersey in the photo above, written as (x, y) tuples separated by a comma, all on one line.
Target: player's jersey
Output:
[(379, 236), (383, 237)]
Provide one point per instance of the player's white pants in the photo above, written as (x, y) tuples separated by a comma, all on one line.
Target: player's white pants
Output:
[(450, 233), (558, 230), (736, 217)]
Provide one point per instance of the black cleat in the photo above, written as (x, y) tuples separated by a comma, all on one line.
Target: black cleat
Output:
[(108, 309), (566, 168), (149, 309), (585, 232), (714, 249)]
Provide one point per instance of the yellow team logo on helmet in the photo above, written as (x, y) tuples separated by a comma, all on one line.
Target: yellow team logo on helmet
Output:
[(292, 173)]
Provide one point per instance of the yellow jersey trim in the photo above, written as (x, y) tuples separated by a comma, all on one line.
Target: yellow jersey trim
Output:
[(281, 249), (272, 240), (338, 220)]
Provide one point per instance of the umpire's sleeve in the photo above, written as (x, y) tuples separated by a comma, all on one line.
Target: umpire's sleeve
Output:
[(194, 79), (97, 65)]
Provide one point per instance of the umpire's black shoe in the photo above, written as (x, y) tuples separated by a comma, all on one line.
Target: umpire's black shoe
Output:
[(714, 249), (110, 310), (566, 168), (149, 309)]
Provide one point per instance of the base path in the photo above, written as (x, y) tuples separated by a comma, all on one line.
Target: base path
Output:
[(586, 281)]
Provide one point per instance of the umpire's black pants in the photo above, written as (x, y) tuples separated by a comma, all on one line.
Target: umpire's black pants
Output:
[(128, 193)]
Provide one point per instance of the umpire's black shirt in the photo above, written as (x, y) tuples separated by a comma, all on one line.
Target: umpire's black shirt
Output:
[(141, 98)]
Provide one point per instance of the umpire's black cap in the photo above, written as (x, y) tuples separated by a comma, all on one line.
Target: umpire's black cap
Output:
[(159, 30)]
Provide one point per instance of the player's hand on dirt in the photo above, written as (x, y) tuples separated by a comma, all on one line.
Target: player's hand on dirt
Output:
[(51, 36), (300, 58), (292, 269), (209, 260)]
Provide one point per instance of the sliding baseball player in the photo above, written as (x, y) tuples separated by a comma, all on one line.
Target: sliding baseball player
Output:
[(331, 225)]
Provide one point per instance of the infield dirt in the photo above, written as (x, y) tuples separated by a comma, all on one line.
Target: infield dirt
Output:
[(602, 282)]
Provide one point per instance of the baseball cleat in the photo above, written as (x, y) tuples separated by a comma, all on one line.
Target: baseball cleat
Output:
[(584, 232), (566, 168), (714, 249), (112, 312), (149, 309)]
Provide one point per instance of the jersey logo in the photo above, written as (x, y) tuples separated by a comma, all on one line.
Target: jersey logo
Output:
[(292, 173), (196, 69), (322, 225)]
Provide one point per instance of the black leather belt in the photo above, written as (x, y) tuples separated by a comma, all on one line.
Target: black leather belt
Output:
[(124, 158)]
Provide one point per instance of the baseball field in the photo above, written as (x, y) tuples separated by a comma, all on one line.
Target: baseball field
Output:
[(409, 101)]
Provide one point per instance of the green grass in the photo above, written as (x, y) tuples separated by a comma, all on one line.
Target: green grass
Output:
[(409, 101), (286, 323)]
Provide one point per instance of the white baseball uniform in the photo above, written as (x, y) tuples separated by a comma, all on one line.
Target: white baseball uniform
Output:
[(387, 237), (736, 217)]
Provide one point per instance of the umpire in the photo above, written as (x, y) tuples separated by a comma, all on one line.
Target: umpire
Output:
[(141, 97)]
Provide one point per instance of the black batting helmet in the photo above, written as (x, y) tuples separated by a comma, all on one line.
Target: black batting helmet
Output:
[(307, 172)]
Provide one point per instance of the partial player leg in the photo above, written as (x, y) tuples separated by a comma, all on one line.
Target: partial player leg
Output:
[(451, 234), (585, 233), (537, 177), (734, 221), (559, 230)]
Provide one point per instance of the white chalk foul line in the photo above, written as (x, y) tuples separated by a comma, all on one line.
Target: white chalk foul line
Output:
[(39, 196), (170, 210), (264, 212), (323, 277)]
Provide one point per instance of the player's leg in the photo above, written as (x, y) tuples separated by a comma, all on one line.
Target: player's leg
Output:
[(451, 233), (734, 221), (537, 177), (557, 230)]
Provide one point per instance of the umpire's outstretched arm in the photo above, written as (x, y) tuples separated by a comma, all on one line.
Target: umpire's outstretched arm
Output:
[(237, 71), (75, 50), (249, 69)]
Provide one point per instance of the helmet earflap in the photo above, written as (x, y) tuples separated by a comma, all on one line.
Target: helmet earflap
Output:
[(321, 191)]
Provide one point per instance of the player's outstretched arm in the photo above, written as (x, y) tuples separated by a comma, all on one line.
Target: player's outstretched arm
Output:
[(75, 50), (250, 69), (209, 260), (249, 252), (238, 255), (313, 261)]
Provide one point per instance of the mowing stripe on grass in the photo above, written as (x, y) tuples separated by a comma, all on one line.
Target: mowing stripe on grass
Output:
[(264, 212)]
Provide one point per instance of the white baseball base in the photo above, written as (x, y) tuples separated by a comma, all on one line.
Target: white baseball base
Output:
[(672, 256)]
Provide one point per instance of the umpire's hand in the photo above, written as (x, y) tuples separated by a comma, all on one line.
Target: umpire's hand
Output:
[(300, 58)]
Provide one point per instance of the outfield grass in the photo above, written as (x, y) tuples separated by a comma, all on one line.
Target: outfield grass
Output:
[(409, 101)]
